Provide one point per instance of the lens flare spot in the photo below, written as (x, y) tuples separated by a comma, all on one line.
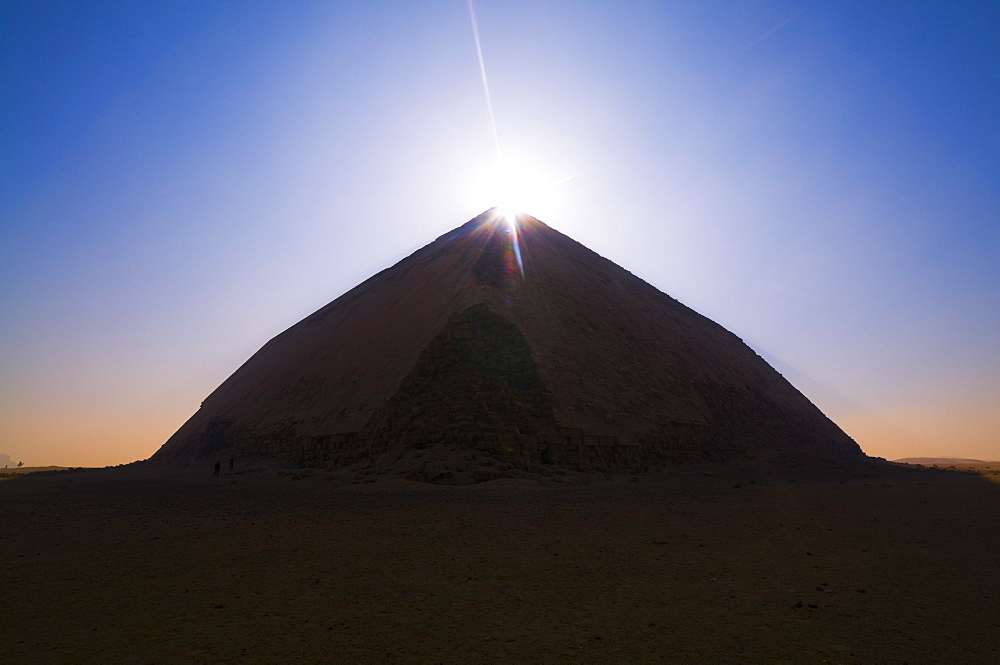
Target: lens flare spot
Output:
[(508, 217)]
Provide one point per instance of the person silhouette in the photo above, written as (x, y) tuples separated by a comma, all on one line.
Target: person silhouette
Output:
[(218, 465), (231, 460)]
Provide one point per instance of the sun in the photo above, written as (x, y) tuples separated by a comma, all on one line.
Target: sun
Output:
[(516, 185)]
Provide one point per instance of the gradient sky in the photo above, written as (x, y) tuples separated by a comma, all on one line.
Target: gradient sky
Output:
[(181, 181)]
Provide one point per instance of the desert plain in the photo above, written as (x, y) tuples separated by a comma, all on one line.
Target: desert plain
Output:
[(165, 563)]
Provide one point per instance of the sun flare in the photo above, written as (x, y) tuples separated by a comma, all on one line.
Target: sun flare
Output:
[(514, 186), (507, 215)]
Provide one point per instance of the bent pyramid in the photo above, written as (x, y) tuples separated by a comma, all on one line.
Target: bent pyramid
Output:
[(514, 339)]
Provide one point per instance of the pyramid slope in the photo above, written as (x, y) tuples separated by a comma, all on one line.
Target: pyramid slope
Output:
[(577, 362)]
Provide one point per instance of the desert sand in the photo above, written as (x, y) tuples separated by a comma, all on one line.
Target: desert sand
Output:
[(166, 564)]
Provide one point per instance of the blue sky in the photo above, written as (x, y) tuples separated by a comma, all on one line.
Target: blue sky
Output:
[(181, 181)]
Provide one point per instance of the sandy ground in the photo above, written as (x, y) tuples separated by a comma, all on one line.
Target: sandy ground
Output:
[(170, 565)]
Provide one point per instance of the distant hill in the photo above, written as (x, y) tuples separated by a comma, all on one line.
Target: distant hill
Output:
[(23, 470), (940, 460)]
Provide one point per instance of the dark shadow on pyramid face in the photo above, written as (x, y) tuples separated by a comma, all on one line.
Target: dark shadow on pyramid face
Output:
[(475, 385), (566, 359)]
